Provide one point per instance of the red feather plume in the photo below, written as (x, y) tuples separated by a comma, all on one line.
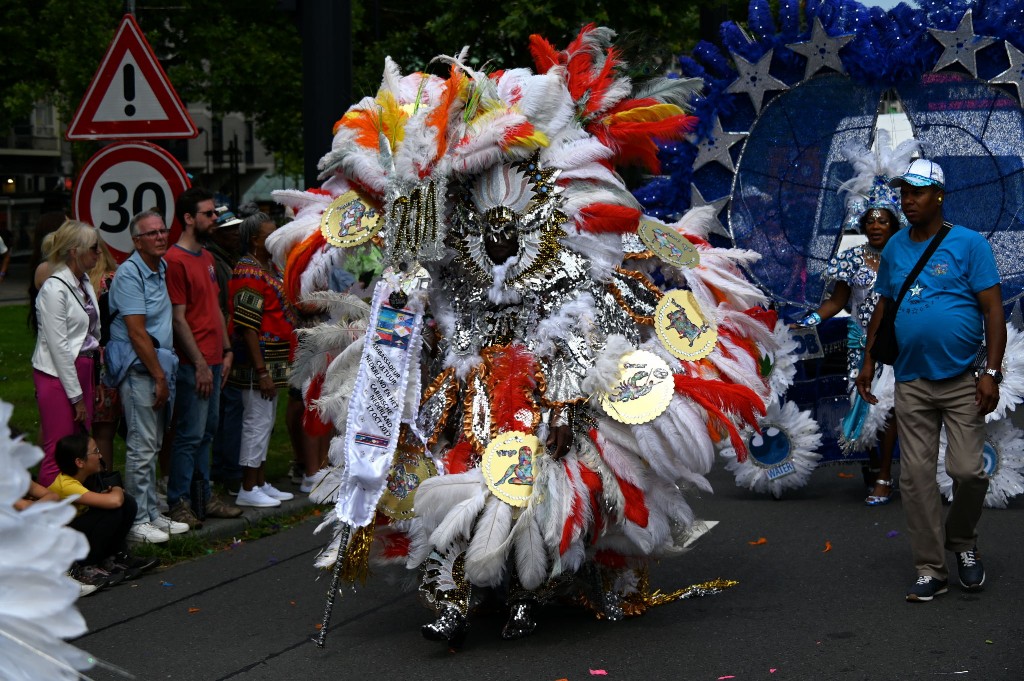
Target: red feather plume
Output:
[(545, 56), (459, 458), (298, 261), (608, 217), (312, 420), (720, 399), (511, 383)]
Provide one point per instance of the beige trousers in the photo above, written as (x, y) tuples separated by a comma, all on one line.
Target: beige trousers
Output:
[(922, 407)]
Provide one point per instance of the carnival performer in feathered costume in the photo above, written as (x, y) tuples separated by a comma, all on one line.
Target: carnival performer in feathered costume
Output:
[(873, 209), (526, 405)]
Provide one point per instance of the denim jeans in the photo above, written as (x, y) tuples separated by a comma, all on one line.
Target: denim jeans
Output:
[(228, 440), (145, 434), (196, 425)]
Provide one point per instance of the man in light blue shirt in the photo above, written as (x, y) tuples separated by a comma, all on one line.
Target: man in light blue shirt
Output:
[(142, 364), (952, 306)]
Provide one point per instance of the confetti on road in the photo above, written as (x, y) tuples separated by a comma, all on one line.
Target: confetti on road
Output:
[(726, 677), (989, 641), (828, 546), (846, 475), (772, 670), (892, 533), (166, 584), (193, 611), (598, 672), (760, 540)]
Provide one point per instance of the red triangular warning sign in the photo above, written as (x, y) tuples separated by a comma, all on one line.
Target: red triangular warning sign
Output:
[(130, 96)]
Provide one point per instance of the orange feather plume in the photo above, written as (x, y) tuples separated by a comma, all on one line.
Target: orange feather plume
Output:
[(298, 260)]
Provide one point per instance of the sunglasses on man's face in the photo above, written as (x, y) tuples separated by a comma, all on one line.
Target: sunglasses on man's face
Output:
[(207, 213)]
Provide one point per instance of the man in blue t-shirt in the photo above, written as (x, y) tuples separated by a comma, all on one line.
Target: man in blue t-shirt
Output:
[(952, 306)]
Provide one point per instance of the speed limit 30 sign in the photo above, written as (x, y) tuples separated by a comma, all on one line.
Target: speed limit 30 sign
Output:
[(122, 180)]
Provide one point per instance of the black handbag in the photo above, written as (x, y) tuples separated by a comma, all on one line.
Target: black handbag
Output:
[(885, 349)]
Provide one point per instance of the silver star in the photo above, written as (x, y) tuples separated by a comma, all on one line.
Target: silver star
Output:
[(961, 45), (754, 79), (1015, 74), (716, 147), (916, 289), (822, 50), (696, 201)]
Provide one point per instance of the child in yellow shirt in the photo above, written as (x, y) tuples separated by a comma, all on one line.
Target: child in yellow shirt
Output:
[(103, 517)]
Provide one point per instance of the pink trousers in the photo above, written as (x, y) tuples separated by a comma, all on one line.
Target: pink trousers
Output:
[(57, 414)]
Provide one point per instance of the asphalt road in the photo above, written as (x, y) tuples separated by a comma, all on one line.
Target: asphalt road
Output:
[(799, 611)]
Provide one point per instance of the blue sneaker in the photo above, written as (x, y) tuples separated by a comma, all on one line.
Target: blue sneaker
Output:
[(970, 569), (926, 588)]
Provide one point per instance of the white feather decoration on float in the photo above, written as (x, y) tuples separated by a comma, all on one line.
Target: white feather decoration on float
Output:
[(1003, 460), (1011, 389), (37, 598), (783, 356), (789, 441)]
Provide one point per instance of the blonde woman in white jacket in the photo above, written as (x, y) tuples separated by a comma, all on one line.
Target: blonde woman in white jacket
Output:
[(68, 340)]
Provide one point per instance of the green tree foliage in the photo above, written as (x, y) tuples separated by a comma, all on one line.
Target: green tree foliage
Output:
[(245, 55), (497, 33), (234, 55)]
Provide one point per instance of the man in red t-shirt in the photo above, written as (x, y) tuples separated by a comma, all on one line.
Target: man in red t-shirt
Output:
[(202, 343)]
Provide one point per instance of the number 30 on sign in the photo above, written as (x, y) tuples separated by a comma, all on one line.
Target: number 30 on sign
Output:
[(122, 180)]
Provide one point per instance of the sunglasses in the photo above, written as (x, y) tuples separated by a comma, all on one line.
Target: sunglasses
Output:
[(207, 213)]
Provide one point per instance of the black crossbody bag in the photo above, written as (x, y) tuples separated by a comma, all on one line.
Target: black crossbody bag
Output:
[(885, 349)]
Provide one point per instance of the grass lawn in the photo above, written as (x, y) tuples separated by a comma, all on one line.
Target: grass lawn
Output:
[(16, 346)]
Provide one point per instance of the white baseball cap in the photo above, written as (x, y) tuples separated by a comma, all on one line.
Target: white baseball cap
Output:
[(921, 173)]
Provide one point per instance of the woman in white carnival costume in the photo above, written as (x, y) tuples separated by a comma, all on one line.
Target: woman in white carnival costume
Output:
[(566, 399), (873, 209)]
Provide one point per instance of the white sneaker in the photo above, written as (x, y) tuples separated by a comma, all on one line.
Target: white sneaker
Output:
[(170, 526), (275, 493), (143, 533), (86, 589), (255, 497), (310, 482)]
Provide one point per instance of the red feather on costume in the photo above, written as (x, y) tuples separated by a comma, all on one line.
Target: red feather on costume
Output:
[(459, 458), (635, 510), (298, 260), (545, 56), (575, 519), (515, 133), (312, 420), (611, 559), (511, 384), (593, 482), (720, 399), (767, 317), (395, 545), (603, 218)]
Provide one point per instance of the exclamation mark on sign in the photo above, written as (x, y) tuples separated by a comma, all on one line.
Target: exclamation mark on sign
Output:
[(128, 72)]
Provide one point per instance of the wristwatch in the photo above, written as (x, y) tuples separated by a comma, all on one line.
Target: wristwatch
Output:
[(996, 375)]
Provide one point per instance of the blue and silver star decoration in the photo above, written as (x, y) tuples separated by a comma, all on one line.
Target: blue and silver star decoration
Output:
[(915, 290), (696, 201), (822, 50), (716, 147), (1015, 74), (754, 79), (961, 45)]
